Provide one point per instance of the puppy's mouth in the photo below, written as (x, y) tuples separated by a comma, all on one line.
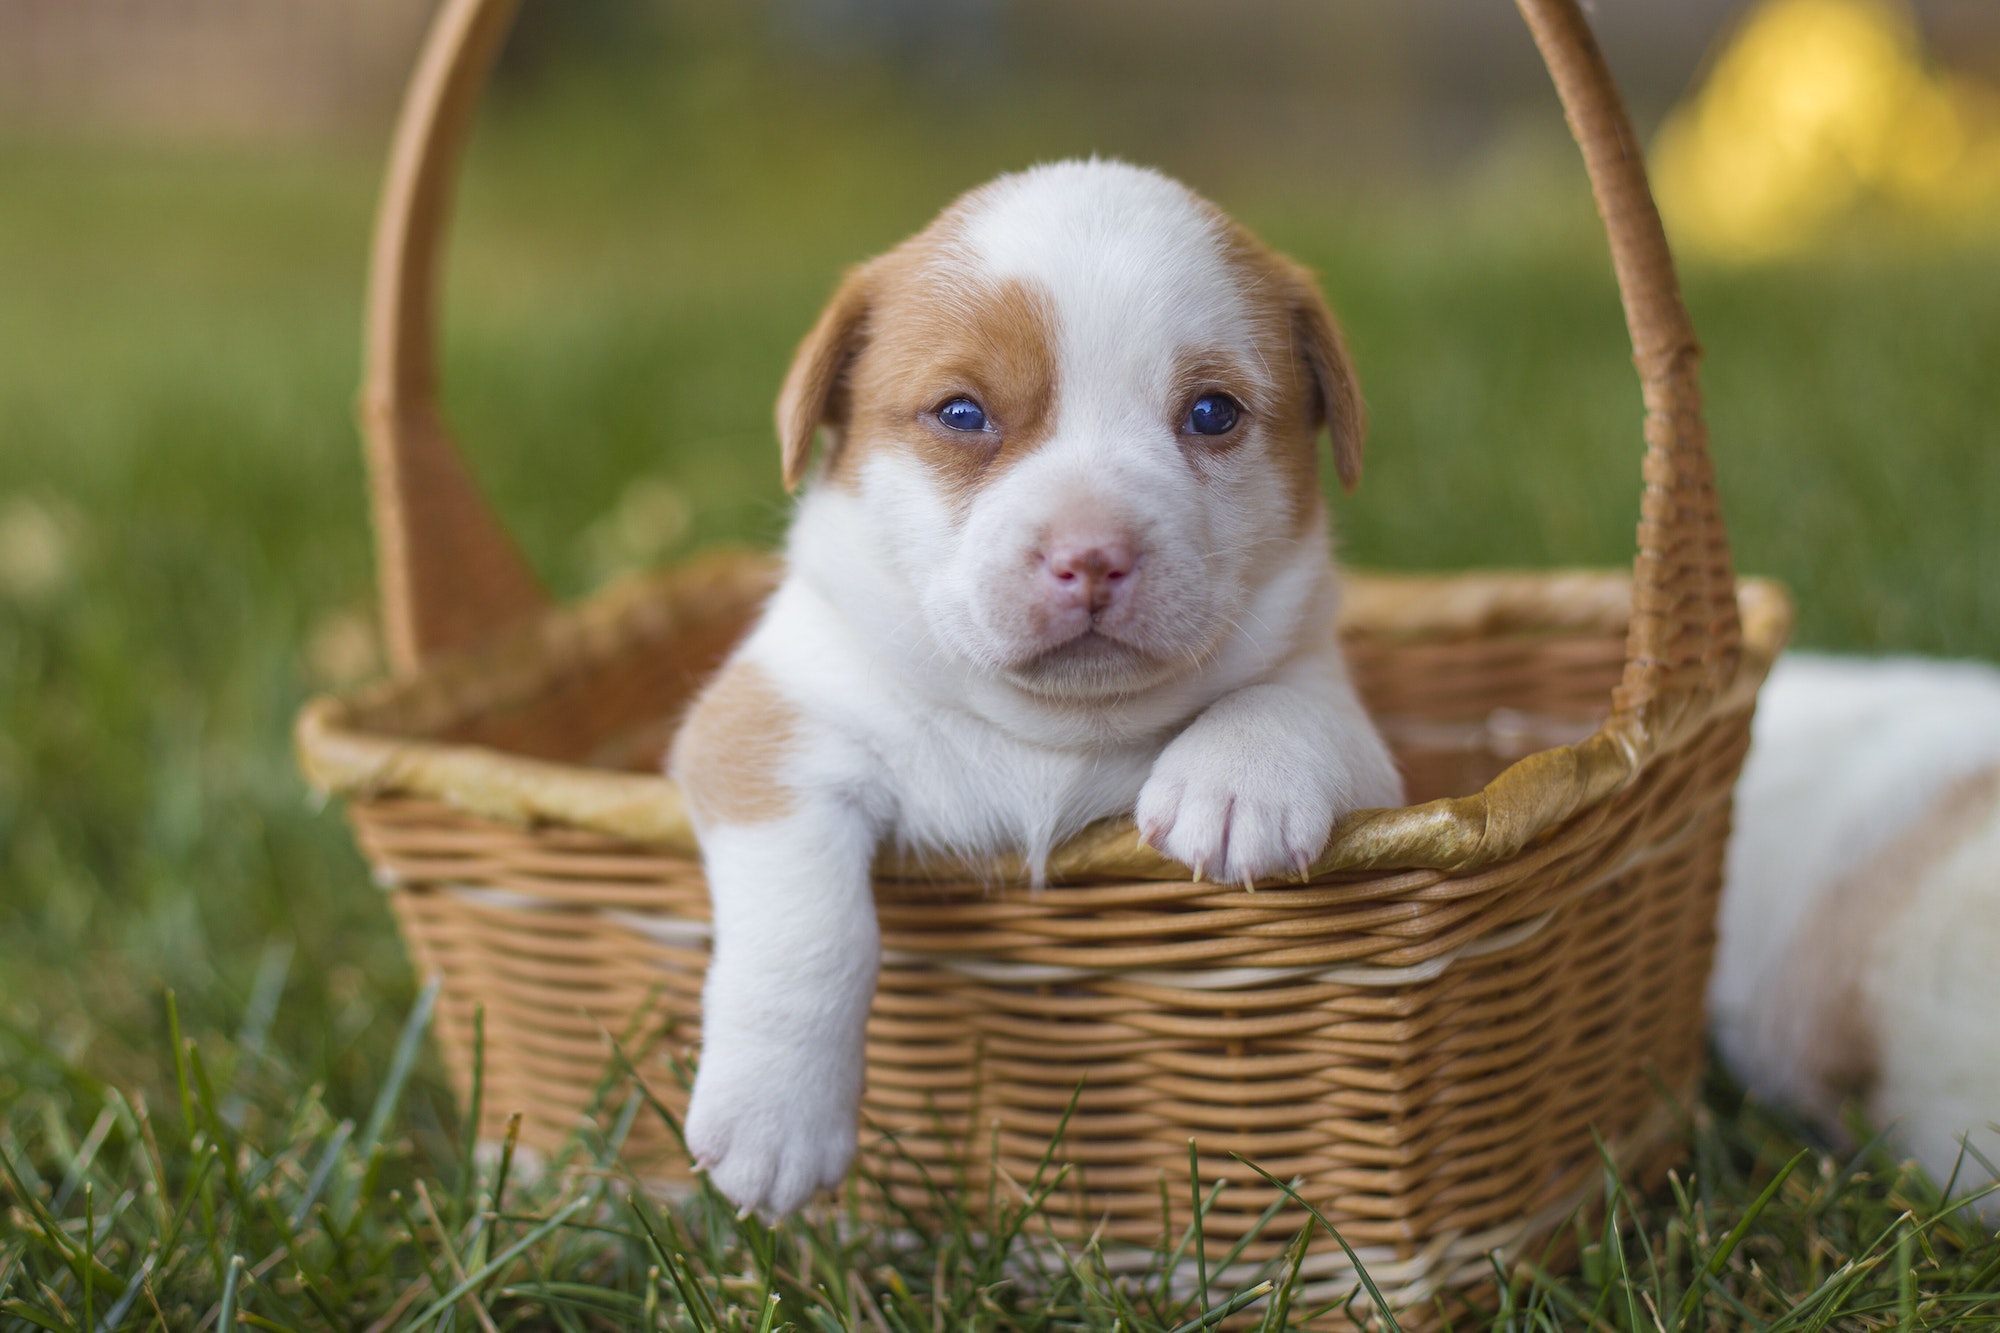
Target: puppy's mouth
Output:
[(1092, 664)]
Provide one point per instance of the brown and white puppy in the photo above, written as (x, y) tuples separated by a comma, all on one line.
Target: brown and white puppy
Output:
[(1065, 557), (1859, 949)]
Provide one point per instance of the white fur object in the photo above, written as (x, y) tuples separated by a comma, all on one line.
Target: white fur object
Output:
[(937, 682), (1859, 951)]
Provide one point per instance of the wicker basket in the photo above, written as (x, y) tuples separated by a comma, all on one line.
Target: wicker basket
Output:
[(1425, 1035)]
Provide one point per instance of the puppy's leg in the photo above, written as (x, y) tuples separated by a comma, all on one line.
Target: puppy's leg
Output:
[(778, 1091), (787, 844), (1251, 789)]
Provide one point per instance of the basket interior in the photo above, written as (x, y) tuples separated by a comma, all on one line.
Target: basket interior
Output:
[(1457, 709), (1464, 675)]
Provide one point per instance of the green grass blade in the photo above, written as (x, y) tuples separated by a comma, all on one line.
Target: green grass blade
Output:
[(1709, 1270), (37, 1316), (328, 1157), (485, 1271), (1280, 1308), (1200, 1227), (123, 1305), (468, 1166), (265, 992), (225, 1318), (1906, 1281), (400, 1065), (180, 1062), (1241, 1301), (1614, 1242), (1360, 1269)]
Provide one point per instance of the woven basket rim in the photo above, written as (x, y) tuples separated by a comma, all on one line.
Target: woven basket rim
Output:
[(375, 741)]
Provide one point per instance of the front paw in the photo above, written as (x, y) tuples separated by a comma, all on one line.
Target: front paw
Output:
[(1240, 806), (766, 1137)]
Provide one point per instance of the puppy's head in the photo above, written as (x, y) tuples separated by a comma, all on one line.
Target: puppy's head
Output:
[(1079, 415)]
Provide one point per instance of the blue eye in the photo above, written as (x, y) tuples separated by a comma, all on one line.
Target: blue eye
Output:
[(1212, 414), (962, 414)]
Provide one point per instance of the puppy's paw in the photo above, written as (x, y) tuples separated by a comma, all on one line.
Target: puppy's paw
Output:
[(1233, 828), (766, 1137), (1237, 803)]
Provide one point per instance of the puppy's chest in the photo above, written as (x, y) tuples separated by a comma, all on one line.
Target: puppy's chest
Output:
[(963, 786)]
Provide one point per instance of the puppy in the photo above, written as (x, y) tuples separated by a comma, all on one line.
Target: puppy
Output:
[(1859, 950), (1065, 556)]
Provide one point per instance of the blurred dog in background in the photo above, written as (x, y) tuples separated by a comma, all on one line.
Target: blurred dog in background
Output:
[(1859, 957)]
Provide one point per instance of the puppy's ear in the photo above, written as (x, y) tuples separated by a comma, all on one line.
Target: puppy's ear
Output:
[(1324, 352), (815, 390)]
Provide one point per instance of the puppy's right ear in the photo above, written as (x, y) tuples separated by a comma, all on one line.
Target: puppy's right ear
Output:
[(815, 391)]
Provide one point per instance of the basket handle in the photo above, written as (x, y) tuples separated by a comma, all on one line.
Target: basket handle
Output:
[(450, 577), (1685, 638)]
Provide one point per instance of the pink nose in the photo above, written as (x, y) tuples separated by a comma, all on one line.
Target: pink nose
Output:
[(1088, 570)]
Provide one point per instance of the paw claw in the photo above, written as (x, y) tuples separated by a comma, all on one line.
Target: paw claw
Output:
[(1236, 814)]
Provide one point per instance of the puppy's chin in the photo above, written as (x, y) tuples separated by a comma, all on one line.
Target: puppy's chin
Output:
[(1091, 666)]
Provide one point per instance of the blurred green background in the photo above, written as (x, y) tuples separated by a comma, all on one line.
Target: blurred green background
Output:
[(656, 202)]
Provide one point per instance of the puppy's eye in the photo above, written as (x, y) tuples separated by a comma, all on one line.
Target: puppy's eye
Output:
[(962, 414), (1212, 414)]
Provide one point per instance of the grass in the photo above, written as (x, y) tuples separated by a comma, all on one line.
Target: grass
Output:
[(245, 1200), (183, 557)]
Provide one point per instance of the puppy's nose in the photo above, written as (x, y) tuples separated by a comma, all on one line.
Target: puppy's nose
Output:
[(1088, 570)]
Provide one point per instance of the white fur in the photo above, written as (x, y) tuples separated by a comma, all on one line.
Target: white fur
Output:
[(907, 638), (1934, 994), (1847, 757)]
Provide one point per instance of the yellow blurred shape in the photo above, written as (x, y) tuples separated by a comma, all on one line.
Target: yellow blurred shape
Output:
[(37, 548), (1815, 109)]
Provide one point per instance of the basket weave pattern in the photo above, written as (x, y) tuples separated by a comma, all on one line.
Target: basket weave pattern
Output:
[(1426, 1051), (1425, 1034)]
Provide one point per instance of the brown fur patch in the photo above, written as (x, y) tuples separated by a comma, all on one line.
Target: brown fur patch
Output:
[(936, 338), (903, 335), (730, 754), (1824, 969)]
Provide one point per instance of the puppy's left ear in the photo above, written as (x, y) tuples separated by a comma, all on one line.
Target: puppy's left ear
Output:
[(815, 390), (1324, 352)]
